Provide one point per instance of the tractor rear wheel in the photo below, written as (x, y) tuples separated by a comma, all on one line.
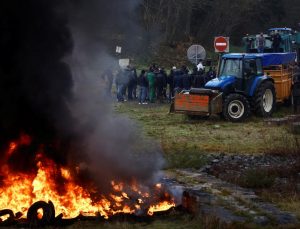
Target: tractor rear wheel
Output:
[(236, 108), (265, 99)]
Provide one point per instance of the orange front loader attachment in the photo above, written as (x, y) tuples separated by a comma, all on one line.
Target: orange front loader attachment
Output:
[(198, 101)]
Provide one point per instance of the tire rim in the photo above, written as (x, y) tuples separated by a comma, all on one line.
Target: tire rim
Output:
[(236, 109), (268, 100)]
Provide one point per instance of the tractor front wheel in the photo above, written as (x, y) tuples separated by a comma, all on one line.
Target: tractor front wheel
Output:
[(236, 108)]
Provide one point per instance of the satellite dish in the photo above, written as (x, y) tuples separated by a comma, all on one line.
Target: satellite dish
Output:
[(196, 53)]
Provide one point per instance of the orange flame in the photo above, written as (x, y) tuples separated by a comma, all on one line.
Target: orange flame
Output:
[(4, 217), (163, 206), (19, 191), (23, 140)]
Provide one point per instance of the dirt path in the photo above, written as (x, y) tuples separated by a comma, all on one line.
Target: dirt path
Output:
[(228, 203)]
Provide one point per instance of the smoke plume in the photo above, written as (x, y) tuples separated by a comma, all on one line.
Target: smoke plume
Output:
[(52, 56)]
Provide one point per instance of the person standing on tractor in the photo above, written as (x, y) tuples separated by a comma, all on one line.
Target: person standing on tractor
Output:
[(276, 41), (248, 43), (260, 42)]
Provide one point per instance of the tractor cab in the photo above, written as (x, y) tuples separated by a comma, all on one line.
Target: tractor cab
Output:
[(237, 72), (242, 73)]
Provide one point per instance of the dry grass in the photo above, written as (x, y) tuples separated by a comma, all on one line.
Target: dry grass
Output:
[(286, 201), (186, 142)]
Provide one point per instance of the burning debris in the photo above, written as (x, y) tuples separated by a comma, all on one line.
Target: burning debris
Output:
[(63, 154), (53, 189)]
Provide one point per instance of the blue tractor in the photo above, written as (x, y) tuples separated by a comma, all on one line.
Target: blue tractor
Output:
[(246, 83)]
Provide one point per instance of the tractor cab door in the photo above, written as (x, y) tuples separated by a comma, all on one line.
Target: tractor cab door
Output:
[(251, 69)]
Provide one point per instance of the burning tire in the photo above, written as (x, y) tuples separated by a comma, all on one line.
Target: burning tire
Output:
[(265, 99), (10, 219), (236, 108), (47, 218)]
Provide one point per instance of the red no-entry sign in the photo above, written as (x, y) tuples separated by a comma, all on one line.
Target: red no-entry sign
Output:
[(221, 44)]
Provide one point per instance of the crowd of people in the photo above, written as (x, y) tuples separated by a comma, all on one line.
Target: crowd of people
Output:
[(155, 84)]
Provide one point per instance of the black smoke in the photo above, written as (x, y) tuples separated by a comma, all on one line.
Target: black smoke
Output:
[(51, 56), (35, 84)]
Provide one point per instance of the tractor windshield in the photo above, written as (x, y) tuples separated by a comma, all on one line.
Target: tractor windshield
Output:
[(231, 67)]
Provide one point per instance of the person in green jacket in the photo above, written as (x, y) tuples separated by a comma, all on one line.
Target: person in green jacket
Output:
[(151, 80)]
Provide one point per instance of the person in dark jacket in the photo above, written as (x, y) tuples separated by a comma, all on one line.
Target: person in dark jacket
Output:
[(199, 79), (121, 82), (151, 80), (178, 78), (135, 83), (211, 74), (193, 76), (170, 81), (186, 79), (131, 81), (249, 42), (276, 41), (165, 82), (160, 83), (143, 84), (107, 78)]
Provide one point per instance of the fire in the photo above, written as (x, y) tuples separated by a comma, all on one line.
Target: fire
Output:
[(163, 206), (3, 218), (19, 191), (11, 149), (23, 140)]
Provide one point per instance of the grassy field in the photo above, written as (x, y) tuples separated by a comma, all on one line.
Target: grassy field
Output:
[(186, 143)]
